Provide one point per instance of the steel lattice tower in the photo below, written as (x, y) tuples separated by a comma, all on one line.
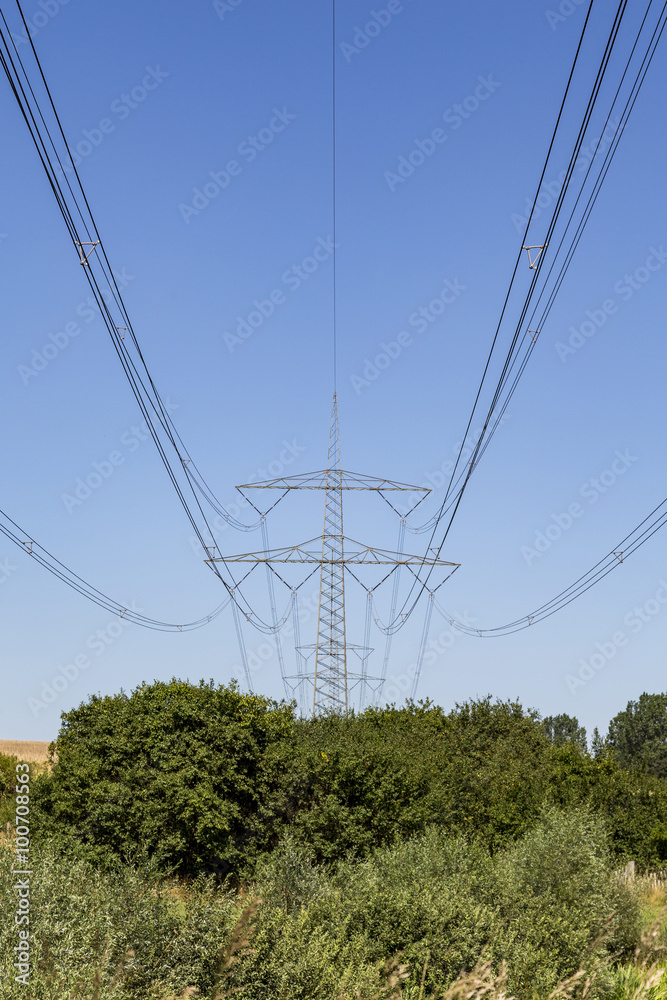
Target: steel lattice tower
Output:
[(331, 677)]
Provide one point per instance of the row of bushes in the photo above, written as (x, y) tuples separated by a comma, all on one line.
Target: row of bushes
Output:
[(548, 905), (206, 778)]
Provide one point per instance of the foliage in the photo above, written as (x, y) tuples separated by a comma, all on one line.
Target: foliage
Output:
[(175, 770), (346, 785), (205, 778), (7, 774), (387, 851), (440, 903), (563, 729), (638, 736), (116, 934), (402, 923), (7, 784)]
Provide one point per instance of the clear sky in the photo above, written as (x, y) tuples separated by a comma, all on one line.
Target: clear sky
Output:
[(167, 101)]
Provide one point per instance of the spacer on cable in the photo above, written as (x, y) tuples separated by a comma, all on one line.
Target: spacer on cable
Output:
[(83, 257), (532, 263)]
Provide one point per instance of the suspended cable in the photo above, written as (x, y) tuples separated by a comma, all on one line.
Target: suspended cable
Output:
[(27, 543), (145, 392), (272, 600), (149, 400), (616, 557), (422, 646), (400, 544), (452, 502), (241, 642), (333, 179)]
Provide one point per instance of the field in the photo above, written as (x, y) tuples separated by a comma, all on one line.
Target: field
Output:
[(33, 751)]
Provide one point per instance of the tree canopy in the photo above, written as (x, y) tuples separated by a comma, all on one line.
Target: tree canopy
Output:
[(207, 778)]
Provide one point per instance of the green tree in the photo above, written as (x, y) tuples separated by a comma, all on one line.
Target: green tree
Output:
[(206, 778), (175, 770), (351, 784), (638, 736), (563, 729)]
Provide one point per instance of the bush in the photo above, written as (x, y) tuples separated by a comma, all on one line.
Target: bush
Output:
[(111, 935), (175, 770), (7, 775), (440, 903), (348, 785), (207, 779), (7, 784), (432, 904), (557, 895)]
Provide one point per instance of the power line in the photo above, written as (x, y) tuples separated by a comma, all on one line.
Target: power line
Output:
[(333, 177), (93, 235), (540, 261), (143, 387), (402, 614), (626, 547), (149, 400), (11, 530), (484, 440), (452, 500)]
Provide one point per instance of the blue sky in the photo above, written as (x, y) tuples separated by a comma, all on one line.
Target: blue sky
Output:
[(167, 101)]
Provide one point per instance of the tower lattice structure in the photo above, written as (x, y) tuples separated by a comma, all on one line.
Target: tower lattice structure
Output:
[(327, 666), (330, 676)]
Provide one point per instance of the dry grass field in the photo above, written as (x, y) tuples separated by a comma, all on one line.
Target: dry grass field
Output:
[(35, 751)]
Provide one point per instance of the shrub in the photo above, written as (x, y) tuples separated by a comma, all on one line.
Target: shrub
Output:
[(425, 907), (7, 784), (351, 784), (441, 903), (175, 769), (111, 935), (556, 895), (208, 779)]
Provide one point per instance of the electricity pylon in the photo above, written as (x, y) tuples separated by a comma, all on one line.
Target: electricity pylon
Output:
[(331, 677)]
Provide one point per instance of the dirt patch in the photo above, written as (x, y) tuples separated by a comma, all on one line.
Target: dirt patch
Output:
[(36, 751)]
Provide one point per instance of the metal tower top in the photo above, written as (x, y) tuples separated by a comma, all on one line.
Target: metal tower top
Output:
[(334, 552)]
